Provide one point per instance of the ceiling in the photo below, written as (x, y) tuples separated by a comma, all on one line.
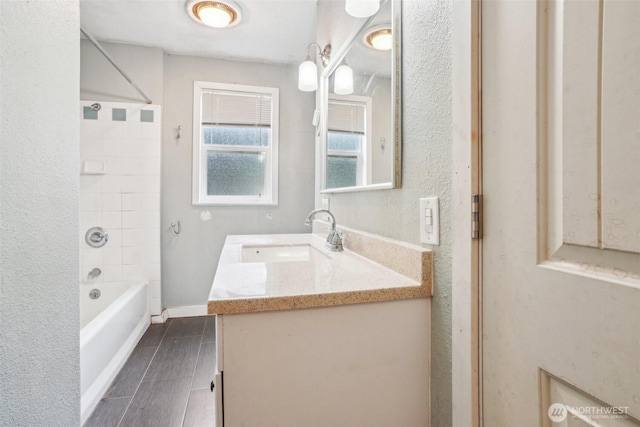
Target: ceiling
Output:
[(271, 31)]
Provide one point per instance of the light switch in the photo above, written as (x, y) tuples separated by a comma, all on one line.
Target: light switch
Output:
[(430, 221)]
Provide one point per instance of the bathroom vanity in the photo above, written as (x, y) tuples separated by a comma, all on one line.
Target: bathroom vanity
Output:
[(309, 337)]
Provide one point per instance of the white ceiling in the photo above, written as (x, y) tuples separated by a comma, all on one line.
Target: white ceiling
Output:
[(273, 31)]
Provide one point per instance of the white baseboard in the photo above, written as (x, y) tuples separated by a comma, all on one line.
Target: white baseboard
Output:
[(183, 311), (160, 318), (188, 311)]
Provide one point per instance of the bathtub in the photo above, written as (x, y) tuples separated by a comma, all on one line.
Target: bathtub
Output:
[(110, 328)]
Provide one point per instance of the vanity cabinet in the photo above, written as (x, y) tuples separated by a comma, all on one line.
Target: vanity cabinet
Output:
[(351, 365), (307, 337)]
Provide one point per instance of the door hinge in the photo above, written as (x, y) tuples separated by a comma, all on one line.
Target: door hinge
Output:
[(476, 216)]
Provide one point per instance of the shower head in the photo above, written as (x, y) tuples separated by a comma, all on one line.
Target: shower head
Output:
[(96, 107)]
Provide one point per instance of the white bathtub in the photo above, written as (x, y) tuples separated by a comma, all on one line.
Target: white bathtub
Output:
[(110, 328)]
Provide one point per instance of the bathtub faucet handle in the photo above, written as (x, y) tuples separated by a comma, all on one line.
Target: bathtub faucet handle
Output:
[(94, 273)]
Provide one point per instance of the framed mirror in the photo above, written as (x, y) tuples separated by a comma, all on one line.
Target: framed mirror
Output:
[(360, 107)]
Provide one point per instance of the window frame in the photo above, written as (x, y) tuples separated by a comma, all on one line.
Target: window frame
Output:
[(364, 156), (200, 150)]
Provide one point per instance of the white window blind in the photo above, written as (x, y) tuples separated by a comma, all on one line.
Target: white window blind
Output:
[(346, 117), (235, 108)]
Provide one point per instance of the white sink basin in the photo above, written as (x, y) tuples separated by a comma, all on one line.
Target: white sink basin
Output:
[(279, 253)]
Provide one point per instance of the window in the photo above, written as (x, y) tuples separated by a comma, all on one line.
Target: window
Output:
[(347, 142), (235, 144)]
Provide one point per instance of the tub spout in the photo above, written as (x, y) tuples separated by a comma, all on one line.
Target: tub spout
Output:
[(94, 273)]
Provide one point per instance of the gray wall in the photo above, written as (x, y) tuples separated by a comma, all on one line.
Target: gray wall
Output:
[(426, 171), (189, 260), (39, 191), (100, 81)]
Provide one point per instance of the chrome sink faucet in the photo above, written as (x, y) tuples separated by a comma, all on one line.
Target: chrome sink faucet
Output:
[(334, 239)]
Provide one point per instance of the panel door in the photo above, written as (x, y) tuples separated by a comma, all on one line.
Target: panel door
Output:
[(561, 184)]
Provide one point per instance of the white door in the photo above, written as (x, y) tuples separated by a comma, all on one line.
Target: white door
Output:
[(561, 184)]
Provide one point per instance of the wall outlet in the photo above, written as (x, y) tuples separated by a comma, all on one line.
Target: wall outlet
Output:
[(325, 203), (430, 221)]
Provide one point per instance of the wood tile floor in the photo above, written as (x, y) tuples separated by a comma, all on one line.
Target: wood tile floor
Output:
[(165, 382)]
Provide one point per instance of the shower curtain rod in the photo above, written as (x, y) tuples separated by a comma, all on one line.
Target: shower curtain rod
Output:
[(106, 55)]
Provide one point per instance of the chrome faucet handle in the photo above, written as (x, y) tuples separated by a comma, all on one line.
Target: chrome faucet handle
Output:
[(334, 241)]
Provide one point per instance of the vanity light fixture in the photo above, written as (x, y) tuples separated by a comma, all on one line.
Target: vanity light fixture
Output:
[(308, 71), (362, 8), (216, 14), (343, 81), (379, 37)]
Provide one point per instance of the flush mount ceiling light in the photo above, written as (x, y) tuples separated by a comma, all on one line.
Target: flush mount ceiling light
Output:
[(362, 8), (379, 37), (216, 14)]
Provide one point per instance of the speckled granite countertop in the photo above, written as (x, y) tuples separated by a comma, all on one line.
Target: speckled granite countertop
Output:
[(327, 279)]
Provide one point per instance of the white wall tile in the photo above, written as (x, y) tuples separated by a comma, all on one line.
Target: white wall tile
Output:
[(112, 273), (132, 272), (91, 147), (112, 255), (91, 202), (111, 183), (150, 202), (92, 257), (156, 306), (90, 183), (90, 219), (150, 237), (131, 148), (131, 220), (111, 202), (115, 238), (130, 184), (155, 288), (130, 201), (151, 148), (114, 165), (149, 220), (131, 237), (111, 220), (150, 166), (131, 165), (149, 184), (113, 147)]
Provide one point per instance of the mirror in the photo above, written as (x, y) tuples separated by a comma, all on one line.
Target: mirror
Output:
[(359, 101)]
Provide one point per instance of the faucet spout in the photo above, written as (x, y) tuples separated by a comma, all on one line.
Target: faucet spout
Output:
[(313, 213), (94, 273), (334, 239)]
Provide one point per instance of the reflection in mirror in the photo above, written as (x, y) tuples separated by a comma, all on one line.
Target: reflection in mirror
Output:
[(360, 131)]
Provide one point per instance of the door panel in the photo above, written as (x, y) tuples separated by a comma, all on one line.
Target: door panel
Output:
[(561, 184)]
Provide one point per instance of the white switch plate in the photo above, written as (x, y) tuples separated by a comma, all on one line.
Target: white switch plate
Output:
[(325, 203), (430, 221)]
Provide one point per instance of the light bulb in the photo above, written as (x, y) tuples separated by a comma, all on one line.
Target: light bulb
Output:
[(308, 76), (214, 16), (362, 8), (343, 83)]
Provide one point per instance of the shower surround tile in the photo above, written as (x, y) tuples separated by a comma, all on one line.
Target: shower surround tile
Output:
[(127, 195)]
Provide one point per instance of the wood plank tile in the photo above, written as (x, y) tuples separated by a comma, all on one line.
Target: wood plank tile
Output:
[(131, 373), (201, 409), (153, 335), (108, 413), (186, 326), (175, 358), (205, 367), (210, 330), (158, 404)]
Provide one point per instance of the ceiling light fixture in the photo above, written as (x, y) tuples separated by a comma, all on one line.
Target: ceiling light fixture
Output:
[(308, 71), (379, 37), (216, 14), (362, 8)]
